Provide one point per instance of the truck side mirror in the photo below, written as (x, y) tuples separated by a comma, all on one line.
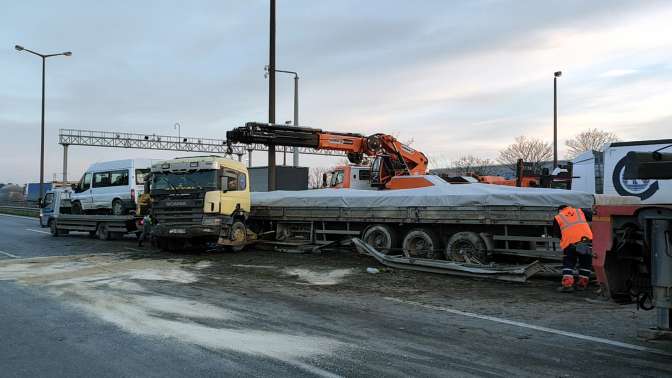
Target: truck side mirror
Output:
[(74, 187)]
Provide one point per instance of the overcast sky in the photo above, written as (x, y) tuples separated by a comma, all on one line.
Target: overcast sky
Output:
[(457, 77)]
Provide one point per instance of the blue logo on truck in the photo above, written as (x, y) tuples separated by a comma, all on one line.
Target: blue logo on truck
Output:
[(639, 188)]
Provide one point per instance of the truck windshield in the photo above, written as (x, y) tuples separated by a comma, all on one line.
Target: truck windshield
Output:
[(185, 180)]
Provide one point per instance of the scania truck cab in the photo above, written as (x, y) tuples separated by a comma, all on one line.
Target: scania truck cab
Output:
[(200, 201)]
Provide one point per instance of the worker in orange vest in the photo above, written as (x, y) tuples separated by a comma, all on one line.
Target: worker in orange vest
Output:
[(576, 240)]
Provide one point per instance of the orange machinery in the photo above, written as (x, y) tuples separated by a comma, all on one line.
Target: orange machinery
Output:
[(393, 166)]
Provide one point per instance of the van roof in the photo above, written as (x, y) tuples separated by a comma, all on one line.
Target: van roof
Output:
[(121, 164)]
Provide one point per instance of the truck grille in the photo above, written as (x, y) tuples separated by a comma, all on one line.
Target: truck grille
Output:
[(182, 213)]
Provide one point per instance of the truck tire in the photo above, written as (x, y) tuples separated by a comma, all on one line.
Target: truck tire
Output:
[(420, 242), (466, 247), (117, 207), (76, 207), (238, 233), (381, 237), (52, 228)]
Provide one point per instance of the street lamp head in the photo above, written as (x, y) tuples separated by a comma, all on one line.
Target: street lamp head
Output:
[(67, 53), (18, 48), (558, 73)]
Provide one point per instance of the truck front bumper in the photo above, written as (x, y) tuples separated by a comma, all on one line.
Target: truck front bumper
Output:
[(186, 232)]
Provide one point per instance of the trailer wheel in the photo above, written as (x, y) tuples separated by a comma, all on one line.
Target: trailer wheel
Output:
[(420, 242), (102, 232), (466, 247), (381, 237)]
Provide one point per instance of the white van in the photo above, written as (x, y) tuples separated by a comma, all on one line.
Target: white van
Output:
[(110, 186)]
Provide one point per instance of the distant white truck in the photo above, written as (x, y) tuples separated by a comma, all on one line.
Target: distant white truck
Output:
[(602, 172)]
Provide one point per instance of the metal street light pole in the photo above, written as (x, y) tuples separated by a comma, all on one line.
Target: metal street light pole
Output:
[(44, 60), (179, 131), (271, 95), (296, 111), (556, 75)]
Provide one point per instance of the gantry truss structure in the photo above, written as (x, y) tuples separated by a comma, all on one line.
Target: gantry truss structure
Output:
[(76, 137)]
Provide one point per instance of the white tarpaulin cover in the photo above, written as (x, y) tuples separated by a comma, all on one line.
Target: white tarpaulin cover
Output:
[(441, 194)]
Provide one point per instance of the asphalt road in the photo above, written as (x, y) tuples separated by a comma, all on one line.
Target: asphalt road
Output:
[(236, 315)]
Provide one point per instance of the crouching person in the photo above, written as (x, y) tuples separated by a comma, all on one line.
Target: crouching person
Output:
[(576, 240)]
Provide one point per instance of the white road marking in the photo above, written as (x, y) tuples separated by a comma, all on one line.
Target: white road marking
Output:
[(133, 249), (19, 216), (535, 327), (9, 254), (40, 231)]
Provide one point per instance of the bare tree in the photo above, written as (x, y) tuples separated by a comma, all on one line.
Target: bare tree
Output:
[(315, 176), (471, 164), (531, 150), (439, 161), (591, 139)]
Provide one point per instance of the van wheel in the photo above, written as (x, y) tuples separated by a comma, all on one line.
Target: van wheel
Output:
[(76, 207), (420, 242), (381, 237), (466, 247), (117, 207)]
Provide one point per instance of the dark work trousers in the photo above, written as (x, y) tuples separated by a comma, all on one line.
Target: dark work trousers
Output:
[(146, 232), (569, 259)]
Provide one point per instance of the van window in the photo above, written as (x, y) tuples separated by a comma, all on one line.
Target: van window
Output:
[(101, 179), (119, 178), (85, 182), (140, 175)]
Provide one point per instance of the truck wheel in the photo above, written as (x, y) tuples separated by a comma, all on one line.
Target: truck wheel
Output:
[(420, 242), (466, 247), (102, 232), (238, 234), (117, 207), (381, 237), (52, 228), (76, 207)]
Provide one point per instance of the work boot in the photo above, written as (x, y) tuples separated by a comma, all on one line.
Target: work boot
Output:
[(583, 283), (567, 284)]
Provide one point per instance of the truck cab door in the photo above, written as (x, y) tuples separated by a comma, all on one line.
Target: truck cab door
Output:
[(47, 209)]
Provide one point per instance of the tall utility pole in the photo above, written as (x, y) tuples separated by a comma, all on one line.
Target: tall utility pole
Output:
[(556, 75), (295, 161), (44, 62), (271, 96)]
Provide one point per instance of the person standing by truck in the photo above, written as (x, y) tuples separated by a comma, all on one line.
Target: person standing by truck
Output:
[(145, 211), (576, 240)]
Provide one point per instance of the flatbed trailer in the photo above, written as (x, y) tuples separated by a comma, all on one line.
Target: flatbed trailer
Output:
[(55, 214), (466, 233), (104, 227)]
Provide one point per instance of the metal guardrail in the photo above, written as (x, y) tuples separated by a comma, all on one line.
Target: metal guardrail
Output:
[(24, 207)]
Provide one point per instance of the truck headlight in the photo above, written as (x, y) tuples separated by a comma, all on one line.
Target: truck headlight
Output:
[(211, 221)]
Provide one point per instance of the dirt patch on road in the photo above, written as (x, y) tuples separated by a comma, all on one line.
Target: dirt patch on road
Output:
[(118, 289)]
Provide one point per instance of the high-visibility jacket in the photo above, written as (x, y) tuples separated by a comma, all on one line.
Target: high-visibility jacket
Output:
[(573, 226)]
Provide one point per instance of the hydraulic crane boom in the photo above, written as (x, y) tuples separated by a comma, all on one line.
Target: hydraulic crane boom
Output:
[(392, 158)]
